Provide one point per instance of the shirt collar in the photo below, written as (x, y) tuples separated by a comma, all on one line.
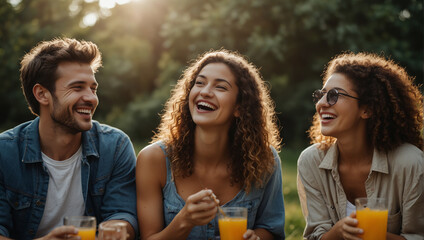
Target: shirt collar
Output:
[(379, 160), (32, 148), (330, 158)]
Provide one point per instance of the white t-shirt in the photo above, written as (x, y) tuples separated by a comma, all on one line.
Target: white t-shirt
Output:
[(350, 208), (64, 195)]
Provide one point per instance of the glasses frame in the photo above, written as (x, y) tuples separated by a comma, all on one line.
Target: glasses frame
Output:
[(332, 96)]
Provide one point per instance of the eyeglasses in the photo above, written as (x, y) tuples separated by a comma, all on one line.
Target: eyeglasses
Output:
[(332, 96)]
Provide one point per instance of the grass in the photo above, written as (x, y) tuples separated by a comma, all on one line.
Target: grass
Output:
[(295, 222)]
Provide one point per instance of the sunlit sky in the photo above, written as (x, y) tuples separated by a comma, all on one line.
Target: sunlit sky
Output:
[(91, 18)]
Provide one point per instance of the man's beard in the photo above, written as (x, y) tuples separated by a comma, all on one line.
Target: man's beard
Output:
[(62, 117)]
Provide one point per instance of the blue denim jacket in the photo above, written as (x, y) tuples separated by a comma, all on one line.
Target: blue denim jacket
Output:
[(265, 205), (107, 177)]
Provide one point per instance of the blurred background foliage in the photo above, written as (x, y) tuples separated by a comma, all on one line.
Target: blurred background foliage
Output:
[(146, 44)]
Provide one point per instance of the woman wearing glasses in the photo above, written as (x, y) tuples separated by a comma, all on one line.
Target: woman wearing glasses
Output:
[(367, 142), (217, 136)]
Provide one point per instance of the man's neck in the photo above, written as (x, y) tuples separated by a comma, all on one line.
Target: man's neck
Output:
[(57, 143)]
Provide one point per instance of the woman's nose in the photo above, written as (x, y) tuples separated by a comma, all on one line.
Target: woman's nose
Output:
[(206, 91), (322, 101)]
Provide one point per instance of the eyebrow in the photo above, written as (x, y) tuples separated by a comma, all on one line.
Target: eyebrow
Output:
[(337, 88), (217, 79), (77, 82)]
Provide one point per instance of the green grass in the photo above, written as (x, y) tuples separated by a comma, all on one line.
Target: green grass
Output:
[(295, 222)]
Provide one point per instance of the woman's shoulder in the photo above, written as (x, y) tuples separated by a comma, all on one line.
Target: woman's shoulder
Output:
[(152, 155), (151, 162), (407, 156), (311, 155)]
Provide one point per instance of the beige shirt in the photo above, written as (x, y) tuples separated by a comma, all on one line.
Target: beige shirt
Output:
[(397, 176)]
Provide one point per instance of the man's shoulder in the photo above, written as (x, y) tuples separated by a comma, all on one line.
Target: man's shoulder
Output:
[(15, 132), (103, 134), (105, 129)]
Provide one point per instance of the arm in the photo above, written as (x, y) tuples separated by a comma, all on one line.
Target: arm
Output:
[(151, 177), (413, 197), (119, 200)]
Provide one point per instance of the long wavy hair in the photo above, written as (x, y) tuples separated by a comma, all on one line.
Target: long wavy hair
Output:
[(251, 135), (396, 104)]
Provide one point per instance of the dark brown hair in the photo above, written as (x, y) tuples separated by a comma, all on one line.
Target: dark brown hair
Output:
[(388, 92), (40, 64), (251, 135)]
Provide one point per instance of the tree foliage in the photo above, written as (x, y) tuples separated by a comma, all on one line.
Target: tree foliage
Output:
[(147, 44)]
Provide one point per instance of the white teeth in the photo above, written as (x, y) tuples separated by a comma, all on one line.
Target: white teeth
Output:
[(86, 111), (205, 104), (324, 116)]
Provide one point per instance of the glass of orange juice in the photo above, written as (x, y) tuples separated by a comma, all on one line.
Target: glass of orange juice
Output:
[(86, 226), (232, 222), (372, 214)]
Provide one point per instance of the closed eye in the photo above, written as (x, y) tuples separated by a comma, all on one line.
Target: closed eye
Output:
[(222, 87)]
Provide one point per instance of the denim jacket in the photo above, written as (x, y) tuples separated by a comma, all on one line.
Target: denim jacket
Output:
[(107, 177), (265, 205)]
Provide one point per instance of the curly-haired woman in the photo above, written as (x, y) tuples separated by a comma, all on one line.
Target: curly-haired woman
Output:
[(367, 142), (217, 136)]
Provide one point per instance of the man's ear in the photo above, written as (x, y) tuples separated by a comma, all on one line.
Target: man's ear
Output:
[(41, 94)]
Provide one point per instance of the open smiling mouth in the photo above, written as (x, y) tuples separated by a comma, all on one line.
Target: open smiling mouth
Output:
[(84, 111), (205, 106), (327, 117)]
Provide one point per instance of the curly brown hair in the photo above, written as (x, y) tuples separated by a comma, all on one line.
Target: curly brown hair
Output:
[(388, 92), (251, 135)]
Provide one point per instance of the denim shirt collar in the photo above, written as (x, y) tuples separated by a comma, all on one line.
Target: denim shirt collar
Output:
[(32, 147)]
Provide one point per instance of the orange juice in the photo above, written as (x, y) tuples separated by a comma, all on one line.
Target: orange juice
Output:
[(87, 233), (373, 222), (232, 228)]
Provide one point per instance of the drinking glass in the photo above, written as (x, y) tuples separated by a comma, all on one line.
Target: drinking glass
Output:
[(372, 214), (112, 231), (232, 223), (86, 226)]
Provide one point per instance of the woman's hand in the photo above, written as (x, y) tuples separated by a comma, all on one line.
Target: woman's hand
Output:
[(345, 229), (200, 208), (251, 235)]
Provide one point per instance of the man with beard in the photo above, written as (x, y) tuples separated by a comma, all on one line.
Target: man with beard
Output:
[(63, 163)]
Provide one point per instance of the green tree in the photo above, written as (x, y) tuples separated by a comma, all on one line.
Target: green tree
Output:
[(22, 27)]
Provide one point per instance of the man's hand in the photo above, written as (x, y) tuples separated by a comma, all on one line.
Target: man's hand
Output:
[(63, 232)]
